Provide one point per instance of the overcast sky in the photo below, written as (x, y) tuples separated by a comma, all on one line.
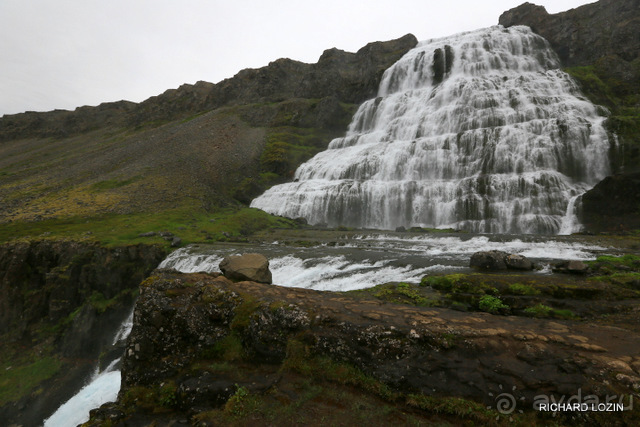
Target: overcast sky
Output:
[(61, 54)]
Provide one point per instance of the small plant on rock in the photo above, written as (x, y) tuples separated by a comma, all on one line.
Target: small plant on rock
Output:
[(491, 304)]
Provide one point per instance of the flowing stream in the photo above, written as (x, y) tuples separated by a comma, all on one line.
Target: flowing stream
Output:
[(357, 261), (102, 387), (479, 131)]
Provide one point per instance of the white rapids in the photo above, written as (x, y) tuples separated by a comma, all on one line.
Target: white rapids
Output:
[(370, 259), (478, 131), (102, 387)]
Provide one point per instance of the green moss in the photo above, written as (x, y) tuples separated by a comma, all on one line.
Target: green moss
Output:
[(100, 303), (630, 279), (228, 348), (458, 407), (447, 283), (520, 289), (18, 381), (153, 398), (244, 312), (544, 311), (630, 261), (539, 310), (302, 360), (401, 293)]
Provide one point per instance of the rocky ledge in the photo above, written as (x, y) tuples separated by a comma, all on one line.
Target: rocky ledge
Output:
[(207, 351)]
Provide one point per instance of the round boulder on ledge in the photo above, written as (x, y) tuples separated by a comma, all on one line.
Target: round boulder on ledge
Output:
[(251, 267), (499, 260)]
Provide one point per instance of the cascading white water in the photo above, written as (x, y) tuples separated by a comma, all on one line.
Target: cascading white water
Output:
[(102, 387), (478, 131)]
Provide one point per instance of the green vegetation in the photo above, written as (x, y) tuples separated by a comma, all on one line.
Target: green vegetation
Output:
[(622, 271), (492, 304), (609, 264), (238, 404), (101, 304), (544, 311), (460, 408), (447, 283), (400, 293), (300, 359), (622, 98), (19, 376), (155, 398), (520, 289), (113, 183), (191, 225)]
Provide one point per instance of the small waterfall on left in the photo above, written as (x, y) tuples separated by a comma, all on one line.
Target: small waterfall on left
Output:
[(102, 387)]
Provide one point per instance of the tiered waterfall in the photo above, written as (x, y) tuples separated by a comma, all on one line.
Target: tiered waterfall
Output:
[(479, 131)]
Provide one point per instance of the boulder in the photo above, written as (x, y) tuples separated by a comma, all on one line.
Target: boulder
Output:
[(252, 267), (499, 260), (489, 260), (571, 267), (518, 262)]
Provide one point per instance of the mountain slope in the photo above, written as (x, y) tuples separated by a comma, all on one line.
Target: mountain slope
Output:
[(196, 147)]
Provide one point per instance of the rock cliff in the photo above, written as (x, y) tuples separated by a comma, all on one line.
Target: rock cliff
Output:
[(201, 344), (583, 35), (60, 305)]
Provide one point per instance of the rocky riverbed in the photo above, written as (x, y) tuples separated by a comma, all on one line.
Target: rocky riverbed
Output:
[(448, 348)]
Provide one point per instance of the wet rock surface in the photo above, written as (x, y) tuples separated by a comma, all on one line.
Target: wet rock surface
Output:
[(186, 321)]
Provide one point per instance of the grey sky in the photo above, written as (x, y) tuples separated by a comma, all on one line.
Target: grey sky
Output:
[(68, 53)]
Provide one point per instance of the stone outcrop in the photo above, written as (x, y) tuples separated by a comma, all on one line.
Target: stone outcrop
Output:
[(253, 267), (571, 267), (587, 33), (185, 321), (499, 260), (613, 204), (64, 300)]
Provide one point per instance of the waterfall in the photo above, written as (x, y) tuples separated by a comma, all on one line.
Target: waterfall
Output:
[(102, 387), (479, 131)]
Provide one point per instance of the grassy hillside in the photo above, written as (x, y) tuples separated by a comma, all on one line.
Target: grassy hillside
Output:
[(619, 91), (192, 177)]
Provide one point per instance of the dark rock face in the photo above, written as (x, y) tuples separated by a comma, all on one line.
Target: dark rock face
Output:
[(582, 35), (613, 204), (48, 280), (41, 284), (185, 321), (489, 260), (254, 267), (343, 76), (499, 260)]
